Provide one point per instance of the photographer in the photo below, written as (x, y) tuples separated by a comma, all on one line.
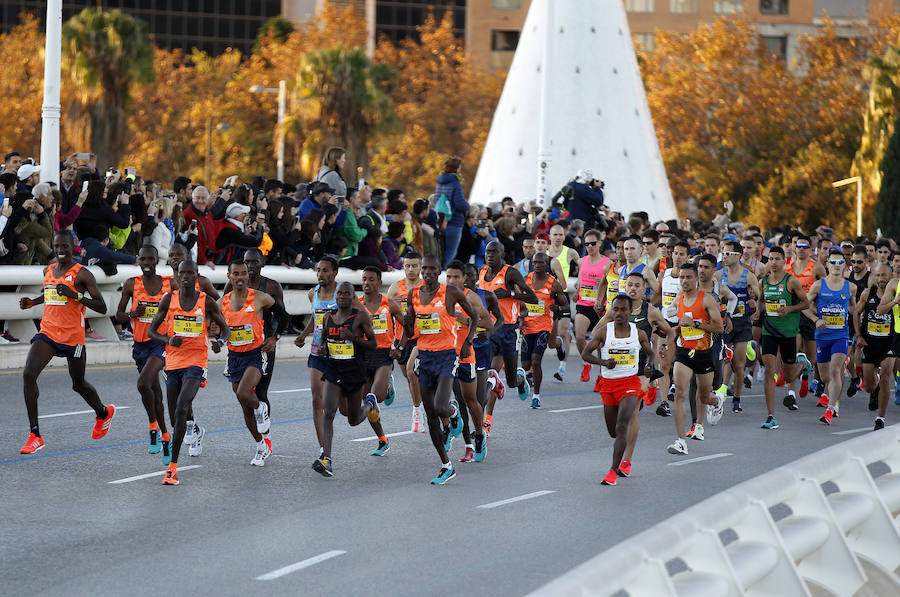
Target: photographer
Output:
[(29, 231), (99, 210), (161, 226), (237, 234), (587, 198)]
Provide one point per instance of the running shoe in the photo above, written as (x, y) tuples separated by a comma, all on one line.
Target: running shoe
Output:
[(736, 406), (804, 386), (166, 452), (525, 388), (391, 394), (101, 426), (610, 478), (448, 438), (779, 380), (751, 352), (679, 446), (586, 372), (873, 400), (262, 452), (663, 409), (817, 387), (748, 381), (487, 427), (560, 371), (499, 389), (196, 447), (770, 423), (374, 412), (729, 353), (381, 449), (262, 417), (414, 425), (853, 388), (456, 422), (480, 447), (560, 350), (189, 428), (690, 432), (469, 456), (836, 409), (597, 384), (323, 466), (823, 401), (155, 442), (32, 445), (790, 402), (698, 432), (715, 411), (92, 335), (826, 418), (535, 402), (879, 424), (171, 476), (444, 475), (268, 441), (671, 395), (650, 395), (9, 337), (624, 469)]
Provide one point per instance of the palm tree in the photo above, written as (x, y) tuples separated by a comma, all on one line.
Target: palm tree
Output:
[(105, 53), (343, 101)]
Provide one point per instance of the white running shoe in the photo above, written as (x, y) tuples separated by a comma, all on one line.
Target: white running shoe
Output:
[(262, 452), (196, 447), (678, 447), (698, 432), (414, 425), (714, 412), (189, 431), (262, 417)]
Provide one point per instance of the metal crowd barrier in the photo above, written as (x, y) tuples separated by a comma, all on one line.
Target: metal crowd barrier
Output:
[(822, 525)]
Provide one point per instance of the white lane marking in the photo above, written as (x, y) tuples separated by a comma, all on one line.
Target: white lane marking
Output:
[(365, 439), (849, 431), (301, 565), (700, 459), (520, 498), (154, 474), (77, 412), (568, 410), (289, 391)]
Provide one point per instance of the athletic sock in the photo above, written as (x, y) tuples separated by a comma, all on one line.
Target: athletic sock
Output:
[(446, 465), (879, 419), (791, 393), (189, 426), (166, 437), (35, 430), (538, 396), (382, 438), (153, 425), (470, 446)]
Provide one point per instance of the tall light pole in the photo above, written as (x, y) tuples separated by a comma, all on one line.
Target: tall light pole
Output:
[(858, 181), (281, 90), (52, 81)]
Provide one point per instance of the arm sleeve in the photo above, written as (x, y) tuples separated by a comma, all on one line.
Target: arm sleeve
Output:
[(732, 303), (459, 199)]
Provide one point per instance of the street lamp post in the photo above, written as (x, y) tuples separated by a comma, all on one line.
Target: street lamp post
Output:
[(858, 181), (281, 90), (52, 81)]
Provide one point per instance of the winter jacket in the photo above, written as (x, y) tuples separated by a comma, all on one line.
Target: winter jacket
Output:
[(449, 185)]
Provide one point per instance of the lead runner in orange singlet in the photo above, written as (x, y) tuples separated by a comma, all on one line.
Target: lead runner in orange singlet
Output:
[(68, 289)]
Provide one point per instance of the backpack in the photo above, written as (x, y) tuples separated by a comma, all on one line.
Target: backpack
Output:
[(442, 206)]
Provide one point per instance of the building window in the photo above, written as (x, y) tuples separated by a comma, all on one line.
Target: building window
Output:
[(896, 6), (639, 5), (773, 7), (776, 45), (683, 6), (729, 7), (643, 41), (504, 41), (506, 4)]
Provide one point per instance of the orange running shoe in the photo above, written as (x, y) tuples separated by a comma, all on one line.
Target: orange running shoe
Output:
[(487, 425), (650, 396), (34, 443), (171, 477), (804, 386), (624, 469), (586, 372), (101, 426), (779, 381), (690, 433), (597, 383), (469, 456), (610, 478), (826, 418), (823, 401)]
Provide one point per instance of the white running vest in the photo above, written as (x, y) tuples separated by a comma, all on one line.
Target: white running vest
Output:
[(624, 350)]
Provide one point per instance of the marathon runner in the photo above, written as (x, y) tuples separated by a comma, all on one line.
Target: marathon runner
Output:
[(891, 302), (398, 291), (807, 271), (145, 292), (486, 384), (783, 300), (68, 289), (186, 313), (383, 313), (322, 299), (877, 342), (538, 321), (528, 251), (859, 275), (346, 336), (670, 287), (249, 346), (432, 309), (590, 289), (620, 343), (562, 258)]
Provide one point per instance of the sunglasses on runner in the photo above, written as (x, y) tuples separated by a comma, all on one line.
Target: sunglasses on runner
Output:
[(802, 245), (590, 244), (836, 261), (730, 253), (858, 261)]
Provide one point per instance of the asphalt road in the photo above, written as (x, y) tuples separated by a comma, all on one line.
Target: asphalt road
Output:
[(377, 526)]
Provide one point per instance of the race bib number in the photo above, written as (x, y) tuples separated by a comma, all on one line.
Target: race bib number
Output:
[(691, 333), (834, 322), (320, 317), (667, 299), (379, 324), (51, 297), (428, 324), (340, 350), (150, 310), (187, 326), (403, 306), (623, 357), (740, 310), (535, 309), (773, 307), (875, 328), (588, 292), (240, 335)]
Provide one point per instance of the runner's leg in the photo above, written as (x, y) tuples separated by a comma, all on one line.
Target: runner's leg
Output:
[(39, 354)]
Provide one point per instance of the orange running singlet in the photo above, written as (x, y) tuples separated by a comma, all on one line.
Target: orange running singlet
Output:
[(691, 337), (540, 318), (245, 330), (190, 325), (141, 325), (437, 328), (381, 318), (63, 319), (508, 306)]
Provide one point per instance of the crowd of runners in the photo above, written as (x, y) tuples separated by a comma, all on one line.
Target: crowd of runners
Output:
[(664, 318)]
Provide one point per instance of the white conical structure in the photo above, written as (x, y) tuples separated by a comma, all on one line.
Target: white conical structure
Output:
[(586, 109)]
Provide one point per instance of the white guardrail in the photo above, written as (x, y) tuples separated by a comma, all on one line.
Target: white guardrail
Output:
[(822, 525)]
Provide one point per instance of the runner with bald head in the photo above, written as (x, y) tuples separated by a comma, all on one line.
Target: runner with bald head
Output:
[(538, 321)]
